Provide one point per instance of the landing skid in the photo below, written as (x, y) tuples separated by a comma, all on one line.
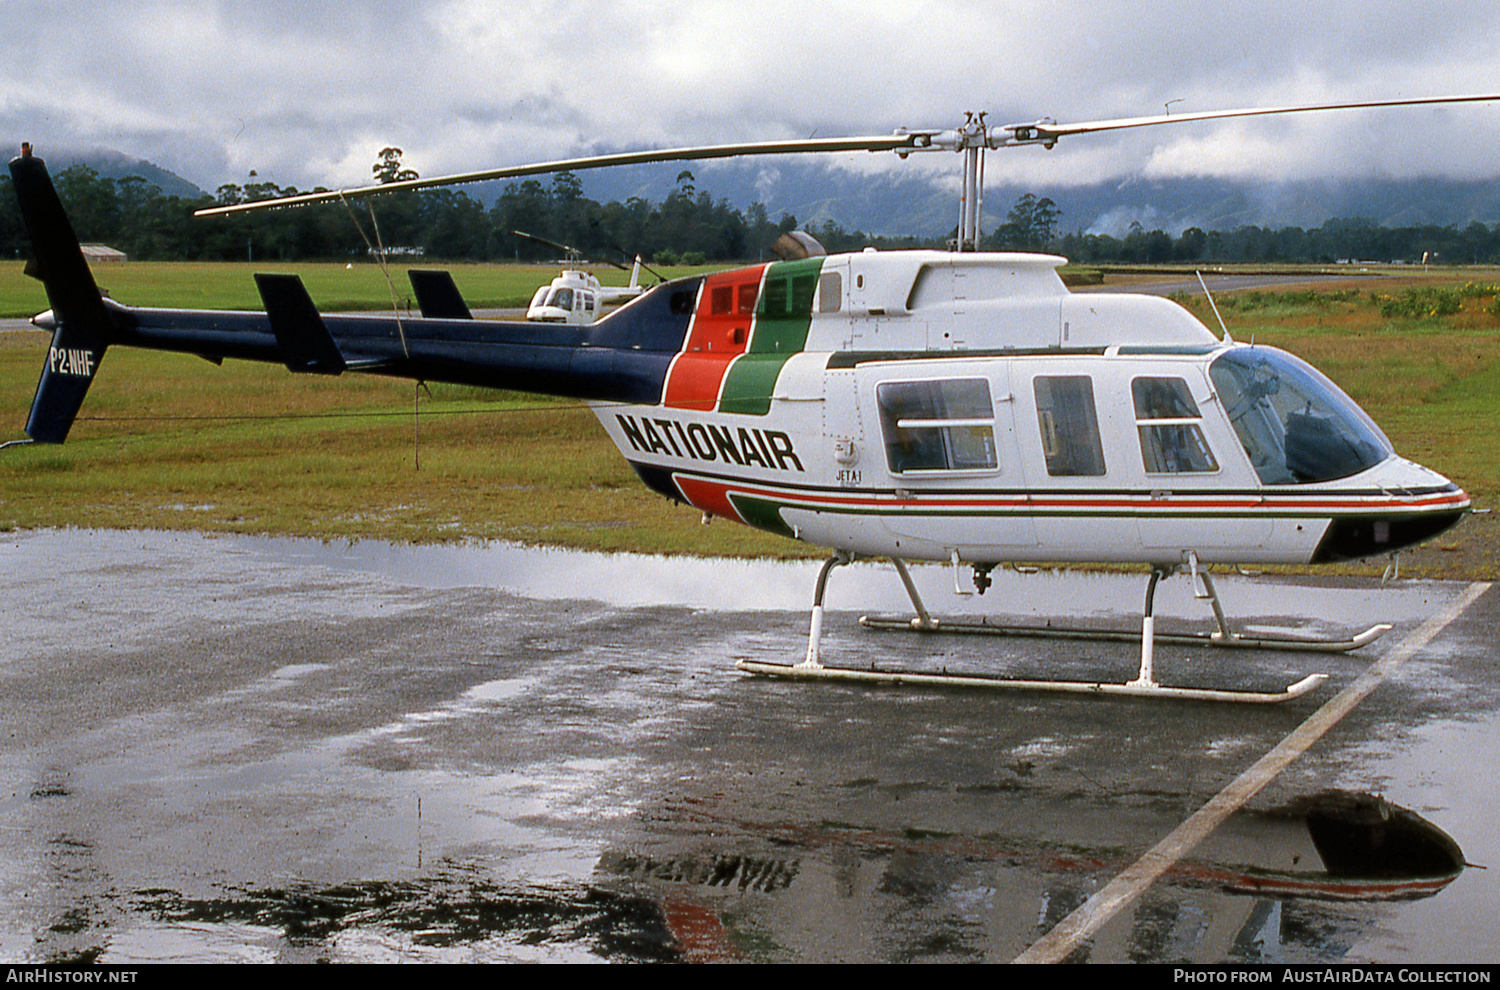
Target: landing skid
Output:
[(1239, 641), (1144, 685), (1131, 689)]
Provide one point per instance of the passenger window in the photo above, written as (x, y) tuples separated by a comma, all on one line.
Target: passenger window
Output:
[(944, 425), (776, 296), (1167, 419), (1069, 425), (721, 300), (747, 296), (830, 292)]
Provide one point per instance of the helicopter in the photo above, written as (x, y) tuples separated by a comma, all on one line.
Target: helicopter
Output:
[(577, 296), (961, 407)]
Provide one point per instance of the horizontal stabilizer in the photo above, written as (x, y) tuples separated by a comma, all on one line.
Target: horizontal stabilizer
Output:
[(83, 323), (305, 342), (437, 295)]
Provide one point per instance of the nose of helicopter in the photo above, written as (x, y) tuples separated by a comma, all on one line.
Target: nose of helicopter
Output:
[(1408, 504)]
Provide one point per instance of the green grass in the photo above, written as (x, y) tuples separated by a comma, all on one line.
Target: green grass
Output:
[(171, 442), (334, 287)]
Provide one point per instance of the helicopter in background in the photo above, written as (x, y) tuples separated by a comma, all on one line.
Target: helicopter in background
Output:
[(961, 407), (576, 296)]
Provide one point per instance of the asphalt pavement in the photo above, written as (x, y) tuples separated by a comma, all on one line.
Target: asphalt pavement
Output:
[(232, 748)]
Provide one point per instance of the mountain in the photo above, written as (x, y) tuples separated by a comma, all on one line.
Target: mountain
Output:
[(896, 204), (117, 165), (1221, 204), (901, 203)]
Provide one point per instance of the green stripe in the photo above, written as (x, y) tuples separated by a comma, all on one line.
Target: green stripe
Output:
[(750, 383), (784, 312), (761, 514), (783, 317)]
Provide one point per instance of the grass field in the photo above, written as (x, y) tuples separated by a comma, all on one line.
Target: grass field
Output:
[(172, 442), (336, 287)]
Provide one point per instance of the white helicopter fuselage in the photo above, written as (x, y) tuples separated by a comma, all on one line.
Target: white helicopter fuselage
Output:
[(578, 298), (941, 406)]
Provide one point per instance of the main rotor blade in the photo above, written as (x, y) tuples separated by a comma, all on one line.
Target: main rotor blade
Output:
[(884, 142), (1047, 130), (903, 142), (567, 249)]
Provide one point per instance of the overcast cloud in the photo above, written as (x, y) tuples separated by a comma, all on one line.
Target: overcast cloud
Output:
[(308, 92)]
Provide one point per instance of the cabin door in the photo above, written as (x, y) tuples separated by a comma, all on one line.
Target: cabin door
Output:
[(947, 452)]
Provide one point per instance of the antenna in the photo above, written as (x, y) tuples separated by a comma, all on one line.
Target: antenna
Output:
[(1227, 339)]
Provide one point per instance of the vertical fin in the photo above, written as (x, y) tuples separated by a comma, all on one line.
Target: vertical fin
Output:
[(301, 334), (437, 295), (83, 323)]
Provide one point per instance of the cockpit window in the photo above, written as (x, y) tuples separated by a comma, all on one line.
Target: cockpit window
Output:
[(1296, 425)]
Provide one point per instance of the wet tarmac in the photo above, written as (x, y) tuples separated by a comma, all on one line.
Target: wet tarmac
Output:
[(220, 748)]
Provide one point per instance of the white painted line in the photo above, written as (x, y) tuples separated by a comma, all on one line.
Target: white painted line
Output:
[(1077, 927)]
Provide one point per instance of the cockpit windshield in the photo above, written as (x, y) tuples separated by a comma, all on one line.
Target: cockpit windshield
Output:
[(1296, 425)]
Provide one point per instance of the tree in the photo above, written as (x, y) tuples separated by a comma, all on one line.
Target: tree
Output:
[(1031, 225), (388, 168), (1044, 222), (92, 202), (567, 188), (1193, 245)]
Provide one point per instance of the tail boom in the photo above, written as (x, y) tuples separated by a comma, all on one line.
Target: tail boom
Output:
[(623, 357)]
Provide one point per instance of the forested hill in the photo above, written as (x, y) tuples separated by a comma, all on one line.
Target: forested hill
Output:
[(902, 202)]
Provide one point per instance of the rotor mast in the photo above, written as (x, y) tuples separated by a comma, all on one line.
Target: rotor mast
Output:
[(973, 141)]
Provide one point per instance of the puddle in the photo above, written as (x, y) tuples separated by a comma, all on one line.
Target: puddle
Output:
[(727, 585), (1449, 772)]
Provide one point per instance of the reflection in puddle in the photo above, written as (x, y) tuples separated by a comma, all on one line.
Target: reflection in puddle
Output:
[(427, 919), (954, 897), (194, 942), (720, 584), (941, 897), (637, 580)]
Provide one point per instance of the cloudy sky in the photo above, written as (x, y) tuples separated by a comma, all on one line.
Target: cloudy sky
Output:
[(308, 92)]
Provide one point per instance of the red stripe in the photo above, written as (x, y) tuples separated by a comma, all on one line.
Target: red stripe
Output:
[(719, 333), (710, 496), (697, 930), (1249, 502), (694, 380)]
